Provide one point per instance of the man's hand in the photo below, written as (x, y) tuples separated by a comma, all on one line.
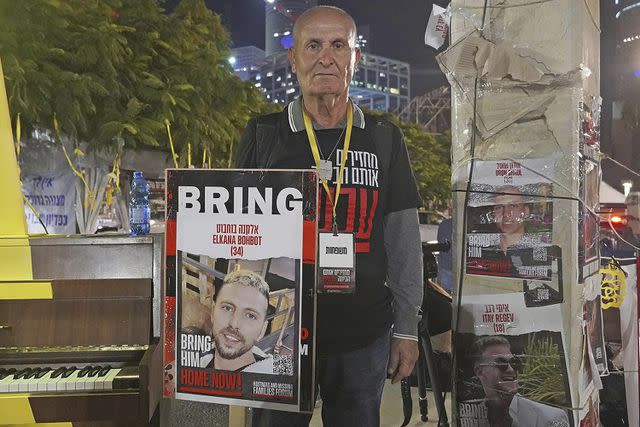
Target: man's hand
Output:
[(403, 355)]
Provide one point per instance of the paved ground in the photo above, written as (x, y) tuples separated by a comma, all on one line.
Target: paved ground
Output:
[(391, 411)]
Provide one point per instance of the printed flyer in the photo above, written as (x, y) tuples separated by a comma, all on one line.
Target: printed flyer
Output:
[(241, 261), (512, 367), (510, 227), (589, 221), (594, 326)]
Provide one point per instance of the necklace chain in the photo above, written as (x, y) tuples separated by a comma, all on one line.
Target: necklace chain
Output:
[(334, 147)]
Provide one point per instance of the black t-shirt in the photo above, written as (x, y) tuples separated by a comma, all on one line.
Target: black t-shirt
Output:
[(347, 322)]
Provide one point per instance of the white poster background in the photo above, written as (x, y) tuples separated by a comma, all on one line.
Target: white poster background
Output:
[(481, 313), (280, 235), (509, 172), (532, 176)]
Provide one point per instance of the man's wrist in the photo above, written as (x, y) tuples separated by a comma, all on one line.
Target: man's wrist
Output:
[(405, 337)]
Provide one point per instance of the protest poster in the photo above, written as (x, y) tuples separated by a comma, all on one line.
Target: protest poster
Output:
[(589, 220), (53, 196), (241, 287), (512, 364), (594, 326), (510, 227)]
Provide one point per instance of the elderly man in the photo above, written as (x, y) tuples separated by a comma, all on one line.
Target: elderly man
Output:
[(369, 199), (497, 369), (239, 321)]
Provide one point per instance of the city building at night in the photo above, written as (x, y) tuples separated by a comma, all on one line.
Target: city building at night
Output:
[(379, 83), (620, 89)]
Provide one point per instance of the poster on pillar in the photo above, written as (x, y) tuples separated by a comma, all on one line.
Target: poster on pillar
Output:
[(239, 325), (510, 227), (589, 220), (512, 368)]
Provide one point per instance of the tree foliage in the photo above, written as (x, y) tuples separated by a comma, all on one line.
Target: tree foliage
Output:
[(431, 162), (115, 72)]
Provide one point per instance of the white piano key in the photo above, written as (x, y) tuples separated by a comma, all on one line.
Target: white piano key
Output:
[(51, 384), (100, 381), (23, 385), (106, 382), (46, 380), (84, 383), (67, 383), (33, 385), (14, 385), (4, 383)]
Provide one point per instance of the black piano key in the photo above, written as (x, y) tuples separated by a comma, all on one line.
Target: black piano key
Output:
[(94, 371), (104, 371), (42, 372), (58, 372), (22, 373), (69, 371), (7, 372), (33, 373), (84, 371)]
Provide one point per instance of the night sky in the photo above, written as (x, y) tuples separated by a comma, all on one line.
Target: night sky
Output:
[(396, 26)]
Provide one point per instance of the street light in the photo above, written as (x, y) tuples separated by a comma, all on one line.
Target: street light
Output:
[(232, 60)]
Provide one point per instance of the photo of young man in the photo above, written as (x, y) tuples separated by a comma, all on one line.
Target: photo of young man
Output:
[(239, 318), (497, 368), (511, 214)]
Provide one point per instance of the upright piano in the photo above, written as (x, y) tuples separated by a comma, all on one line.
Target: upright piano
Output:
[(80, 342)]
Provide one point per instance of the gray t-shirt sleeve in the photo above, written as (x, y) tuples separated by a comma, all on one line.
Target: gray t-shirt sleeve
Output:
[(404, 271)]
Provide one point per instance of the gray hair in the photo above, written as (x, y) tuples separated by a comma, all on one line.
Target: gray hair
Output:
[(481, 344)]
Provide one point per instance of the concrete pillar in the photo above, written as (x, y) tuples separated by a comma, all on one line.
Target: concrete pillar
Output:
[(525, 86)]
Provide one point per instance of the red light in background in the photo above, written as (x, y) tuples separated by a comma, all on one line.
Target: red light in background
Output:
[(616, 219)]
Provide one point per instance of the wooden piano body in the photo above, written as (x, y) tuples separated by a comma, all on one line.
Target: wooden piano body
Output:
[(101, 311)]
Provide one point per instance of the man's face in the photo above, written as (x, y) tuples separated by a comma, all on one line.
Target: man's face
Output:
[(510, 213), (324, 55), (238, 319), (497, 370)]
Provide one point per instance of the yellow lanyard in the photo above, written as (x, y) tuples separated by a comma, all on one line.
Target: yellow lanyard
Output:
[(316, 155)]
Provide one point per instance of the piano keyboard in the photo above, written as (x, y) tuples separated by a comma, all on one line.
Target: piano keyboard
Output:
[(65, 379)]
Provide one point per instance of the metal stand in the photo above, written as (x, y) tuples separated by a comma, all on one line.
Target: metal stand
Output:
[(426, 358), (426, 361)]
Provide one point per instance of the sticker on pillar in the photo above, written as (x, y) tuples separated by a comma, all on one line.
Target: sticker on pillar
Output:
[(539, 293)]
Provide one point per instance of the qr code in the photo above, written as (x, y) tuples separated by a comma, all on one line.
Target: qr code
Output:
[(543, 294), (283, 364), (540, 254)]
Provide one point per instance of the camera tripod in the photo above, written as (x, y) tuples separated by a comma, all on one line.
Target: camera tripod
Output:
[(426, 359)]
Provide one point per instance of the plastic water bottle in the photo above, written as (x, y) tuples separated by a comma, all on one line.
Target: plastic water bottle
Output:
[(139, 211)]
